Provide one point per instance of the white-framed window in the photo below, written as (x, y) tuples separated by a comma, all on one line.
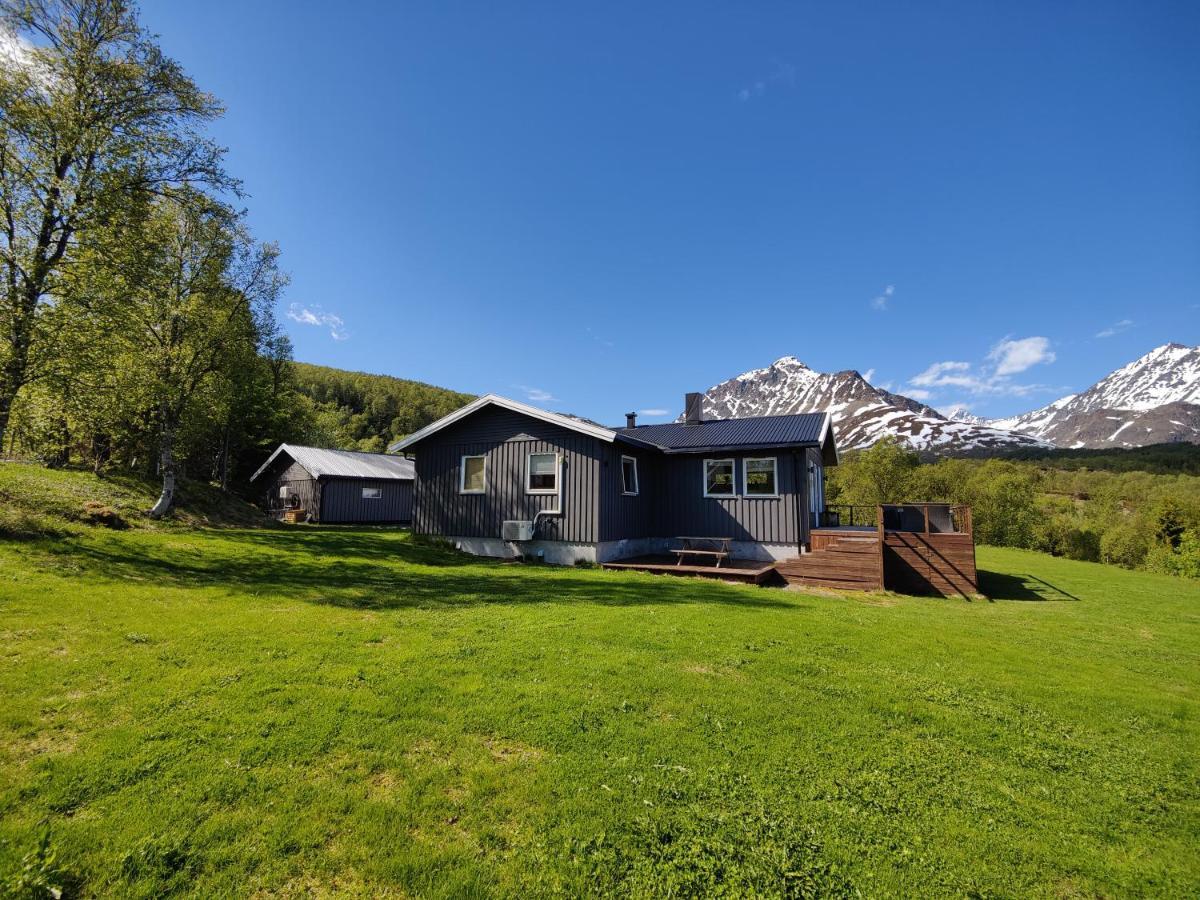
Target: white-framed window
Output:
[(472, 475), (283, 492), (718, 478), (372, 493), (760, 477), (541, 473), (629, 476)]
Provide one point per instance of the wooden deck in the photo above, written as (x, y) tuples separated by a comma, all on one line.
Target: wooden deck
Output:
[(912, 559), (750, 571)]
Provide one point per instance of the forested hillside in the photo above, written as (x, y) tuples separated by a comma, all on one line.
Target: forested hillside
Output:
[(1137, 508), (357, 411)]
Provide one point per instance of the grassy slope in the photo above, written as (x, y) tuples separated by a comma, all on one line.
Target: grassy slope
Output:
[(36, 500), (348, 712)]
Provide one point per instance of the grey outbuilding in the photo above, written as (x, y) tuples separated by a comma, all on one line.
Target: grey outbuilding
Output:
[(336, 486)]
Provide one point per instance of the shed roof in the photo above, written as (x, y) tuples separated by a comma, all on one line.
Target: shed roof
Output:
[(320, 463), (801, 429)]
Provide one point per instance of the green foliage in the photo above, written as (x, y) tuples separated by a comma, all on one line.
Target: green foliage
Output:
[(1124, 517), (343, 712), (357, 411), (880, 474)]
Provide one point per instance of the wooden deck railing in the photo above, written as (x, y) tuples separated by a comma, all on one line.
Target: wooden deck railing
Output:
[(922, 517)]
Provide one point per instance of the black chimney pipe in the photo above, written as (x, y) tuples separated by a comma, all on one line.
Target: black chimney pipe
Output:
[(631, 420), (692, 405)]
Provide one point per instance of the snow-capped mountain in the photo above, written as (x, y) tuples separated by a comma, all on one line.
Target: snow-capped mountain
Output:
[(862, 413), (1153, 400)]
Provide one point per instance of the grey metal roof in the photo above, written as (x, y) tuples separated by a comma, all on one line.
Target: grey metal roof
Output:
[(802, 429), (343, 463)]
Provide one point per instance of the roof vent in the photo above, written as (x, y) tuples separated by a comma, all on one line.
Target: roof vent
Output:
[(631, 420), (692, 404)]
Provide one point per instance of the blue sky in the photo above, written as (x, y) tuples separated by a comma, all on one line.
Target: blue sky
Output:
[(598, 207)]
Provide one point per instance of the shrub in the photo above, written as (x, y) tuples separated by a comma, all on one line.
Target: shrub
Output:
[(1124, 545)]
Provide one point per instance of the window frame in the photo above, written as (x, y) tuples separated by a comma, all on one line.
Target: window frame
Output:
[(545, 492), (733, 494), (774, 460), (285, 492), (637, 481), (462, 473), (377, 495)]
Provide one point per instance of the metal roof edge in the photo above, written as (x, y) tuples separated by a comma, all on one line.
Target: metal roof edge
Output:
[(516, 406), (270, 459)]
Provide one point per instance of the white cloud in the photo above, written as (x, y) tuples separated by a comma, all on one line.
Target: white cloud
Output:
[(868, 375), (537, 394), (1116, 328), (1012, 357), (881, 302), (918, 394), (1007, 358), (942, 374), (654, 413), (313, 315), (782, 73)]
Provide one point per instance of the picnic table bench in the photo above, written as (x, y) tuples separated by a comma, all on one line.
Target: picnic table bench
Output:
[(703, 546)]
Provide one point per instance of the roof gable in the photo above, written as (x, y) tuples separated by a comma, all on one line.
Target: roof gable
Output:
[(320, 463), (569, 422)]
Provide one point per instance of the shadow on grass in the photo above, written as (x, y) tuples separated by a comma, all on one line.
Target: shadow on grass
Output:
[(1001, 586), (377, 569)]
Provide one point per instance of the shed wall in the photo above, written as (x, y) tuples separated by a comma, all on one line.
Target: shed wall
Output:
[(342, 500)]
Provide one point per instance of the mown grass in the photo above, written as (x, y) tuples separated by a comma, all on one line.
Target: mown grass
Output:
[(347, 712)]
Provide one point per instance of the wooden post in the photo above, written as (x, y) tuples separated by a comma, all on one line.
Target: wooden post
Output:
[(926, 508), (879, 528)]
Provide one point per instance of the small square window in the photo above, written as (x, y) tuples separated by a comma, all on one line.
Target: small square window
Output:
[(369, 493), (761, 477), (284, 493), (718, 478), (629, 475), (543, 473), (473, 475)]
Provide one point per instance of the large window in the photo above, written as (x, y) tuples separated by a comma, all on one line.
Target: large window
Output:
[(472, 477), (369, 493), (718, 478), (761, 477), (629, 478), (543, 473)]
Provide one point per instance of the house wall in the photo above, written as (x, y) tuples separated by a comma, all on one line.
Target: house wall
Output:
[(342, 500), (682, 508), (625, 517), (506, 439)]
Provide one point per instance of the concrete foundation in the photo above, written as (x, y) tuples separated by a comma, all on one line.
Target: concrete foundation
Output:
[(561, 553)]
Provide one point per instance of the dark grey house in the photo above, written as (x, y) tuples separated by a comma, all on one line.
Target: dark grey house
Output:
[(501, 478), (334, 486)]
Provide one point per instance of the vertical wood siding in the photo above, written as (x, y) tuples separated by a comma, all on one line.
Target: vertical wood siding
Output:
[(669, 503), (298, 482), (682, 508), (342, 500), (505, 439)]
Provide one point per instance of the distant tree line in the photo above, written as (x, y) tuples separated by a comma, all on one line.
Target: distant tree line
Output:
[(136, 309), (1118, 515)]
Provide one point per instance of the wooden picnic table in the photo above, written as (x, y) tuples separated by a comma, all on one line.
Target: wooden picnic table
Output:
[(696, 546)]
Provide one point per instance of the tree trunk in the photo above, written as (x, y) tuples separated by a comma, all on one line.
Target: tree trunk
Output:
[(166, 465), (6, 405)]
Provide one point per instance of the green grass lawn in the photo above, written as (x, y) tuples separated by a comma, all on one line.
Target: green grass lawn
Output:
[(347, 712)]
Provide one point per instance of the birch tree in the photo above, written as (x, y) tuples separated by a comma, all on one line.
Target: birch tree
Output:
[(183, 295), (91, 114)]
